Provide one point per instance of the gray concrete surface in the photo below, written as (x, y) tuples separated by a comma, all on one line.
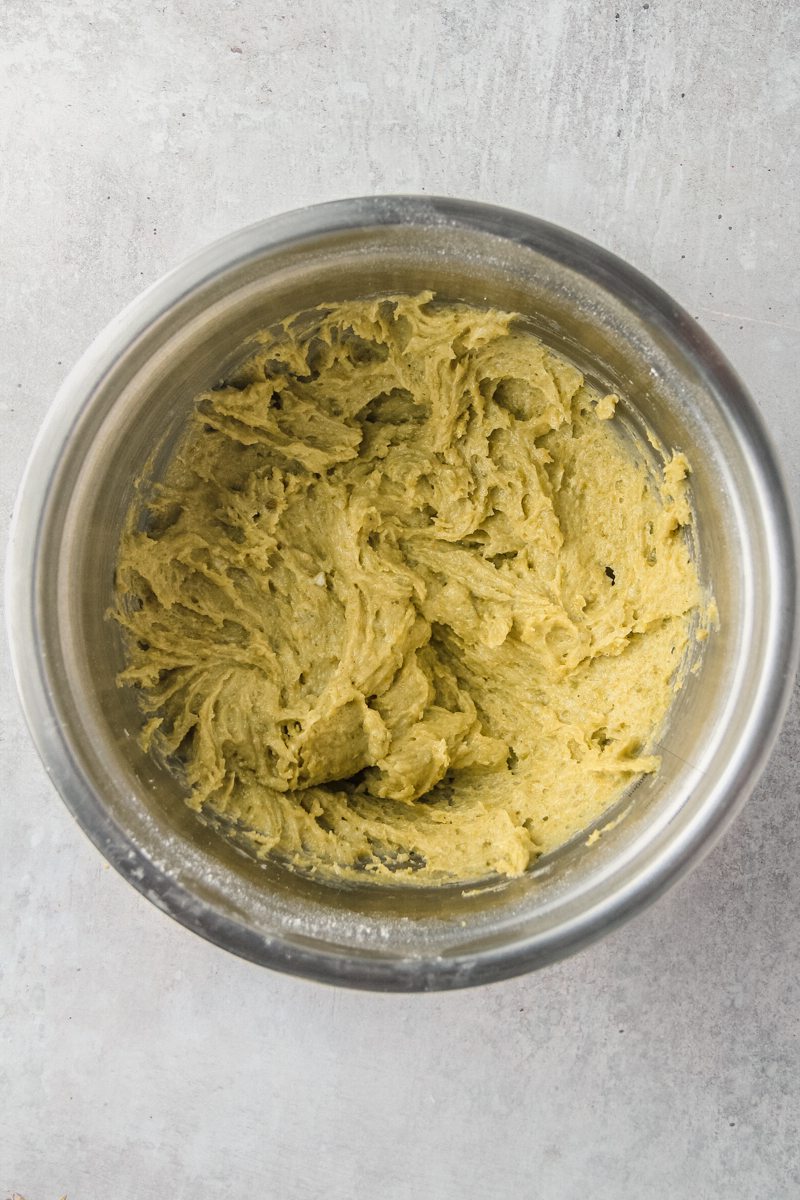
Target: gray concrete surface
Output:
[(139, 1062)]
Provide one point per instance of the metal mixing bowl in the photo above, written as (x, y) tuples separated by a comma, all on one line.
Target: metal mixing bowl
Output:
[(132, 391)]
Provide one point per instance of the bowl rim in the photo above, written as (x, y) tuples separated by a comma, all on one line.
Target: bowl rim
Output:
[(390, 972)]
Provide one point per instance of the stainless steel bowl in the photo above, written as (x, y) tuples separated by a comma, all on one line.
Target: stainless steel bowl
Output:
[(132, 391)]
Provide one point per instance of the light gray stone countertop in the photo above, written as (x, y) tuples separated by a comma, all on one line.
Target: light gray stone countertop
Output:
[(136, 1061)]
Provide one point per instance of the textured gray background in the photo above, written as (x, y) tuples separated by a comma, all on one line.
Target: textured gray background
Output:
[(139, 1062)]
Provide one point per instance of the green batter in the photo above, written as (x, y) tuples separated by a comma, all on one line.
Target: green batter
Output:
[(406, 604)]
